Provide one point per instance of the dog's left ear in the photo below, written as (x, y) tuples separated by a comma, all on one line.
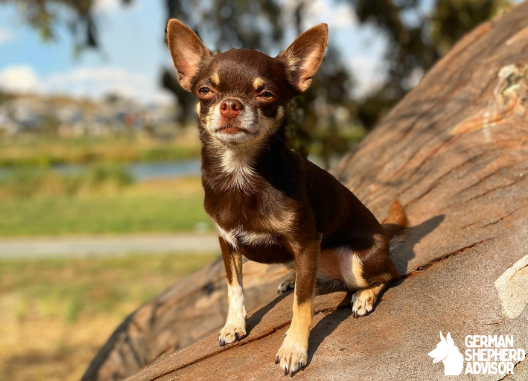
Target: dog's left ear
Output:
[(304, 56), (187, 50)]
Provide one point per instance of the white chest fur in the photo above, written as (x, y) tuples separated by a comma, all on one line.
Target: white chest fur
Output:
[(239, 236)]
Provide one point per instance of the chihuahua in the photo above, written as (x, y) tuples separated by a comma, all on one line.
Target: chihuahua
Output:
[(270, 204)]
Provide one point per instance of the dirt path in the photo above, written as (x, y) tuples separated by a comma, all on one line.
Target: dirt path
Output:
[(36, 247)]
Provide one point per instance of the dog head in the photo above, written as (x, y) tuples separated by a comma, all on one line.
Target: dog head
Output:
[(242, 93), (443, 349)]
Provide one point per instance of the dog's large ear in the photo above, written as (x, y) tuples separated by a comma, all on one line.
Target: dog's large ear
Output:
[(442, 338), (187, 51), (304, 56)]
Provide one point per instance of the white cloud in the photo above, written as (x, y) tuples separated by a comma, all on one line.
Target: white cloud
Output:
[(346, 17), (19, 79), (6, 36), (337, 16), (368, 73), (113, 5), (86, 82), (97, 82), (106, 5)]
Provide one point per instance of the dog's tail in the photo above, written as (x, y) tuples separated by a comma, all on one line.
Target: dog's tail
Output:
[(395, 224), (396, 221)]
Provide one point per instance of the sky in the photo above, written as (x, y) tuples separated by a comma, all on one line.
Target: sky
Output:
[(133, 52)]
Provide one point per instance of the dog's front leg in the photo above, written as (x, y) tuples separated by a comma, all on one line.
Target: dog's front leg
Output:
[(235, 327), (293, 354)]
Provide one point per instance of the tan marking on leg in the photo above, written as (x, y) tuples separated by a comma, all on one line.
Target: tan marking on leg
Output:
[(363, 300), (381, 278), (258, 82), (215, 79), (293, 354), (357, 271), (351, 269)]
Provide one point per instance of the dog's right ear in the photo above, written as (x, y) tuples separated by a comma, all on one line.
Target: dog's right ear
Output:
[(304, 56), (187, 51)]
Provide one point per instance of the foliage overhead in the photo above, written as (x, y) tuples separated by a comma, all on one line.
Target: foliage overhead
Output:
[(417, 32), (417, 38)]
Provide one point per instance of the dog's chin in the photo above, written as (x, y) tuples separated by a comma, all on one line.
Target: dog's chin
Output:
[(233, 135)]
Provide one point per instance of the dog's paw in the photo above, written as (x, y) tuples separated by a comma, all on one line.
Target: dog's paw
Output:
[(287, 284), (292, 357), (231, 333), (363, 302)]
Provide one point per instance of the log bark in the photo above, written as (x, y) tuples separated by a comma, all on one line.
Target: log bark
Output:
[(454, 151), (192, 309)]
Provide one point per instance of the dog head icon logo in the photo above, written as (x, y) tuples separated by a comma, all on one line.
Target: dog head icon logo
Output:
[(447, 352)]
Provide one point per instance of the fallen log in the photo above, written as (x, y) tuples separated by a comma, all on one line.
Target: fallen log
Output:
[(187, 312), (454, 151)]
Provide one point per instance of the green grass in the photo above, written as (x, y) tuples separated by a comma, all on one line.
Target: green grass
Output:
[(24, 182), (66, 288), (56, 313), (163, 206)]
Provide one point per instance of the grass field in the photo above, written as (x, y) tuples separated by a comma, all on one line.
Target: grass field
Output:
[(56, 313), (156, 206)]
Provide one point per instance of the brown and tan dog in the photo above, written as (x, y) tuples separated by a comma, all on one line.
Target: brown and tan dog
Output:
[(270, 204)]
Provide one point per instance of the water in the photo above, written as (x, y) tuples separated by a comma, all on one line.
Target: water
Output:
[(140, 171), (170, 170)]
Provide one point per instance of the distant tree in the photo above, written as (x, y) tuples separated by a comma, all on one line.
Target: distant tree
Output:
[(46, 16), (5, 96), (418, 33)]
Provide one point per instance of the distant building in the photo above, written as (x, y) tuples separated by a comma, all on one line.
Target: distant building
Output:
[(73, 117)]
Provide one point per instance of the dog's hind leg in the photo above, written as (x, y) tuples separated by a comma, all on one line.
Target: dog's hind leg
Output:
[(372, 269), (368, 271), (289, 282), (364, 299)]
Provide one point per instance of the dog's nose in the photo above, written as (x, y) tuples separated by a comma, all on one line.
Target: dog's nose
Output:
[(230, 108)]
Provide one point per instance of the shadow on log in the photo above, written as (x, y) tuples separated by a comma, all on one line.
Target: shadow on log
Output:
[(454, 151)]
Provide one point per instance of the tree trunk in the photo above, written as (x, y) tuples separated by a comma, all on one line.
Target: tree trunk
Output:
[(454, 151)]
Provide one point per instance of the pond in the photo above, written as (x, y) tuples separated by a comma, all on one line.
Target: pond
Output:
[(140, 171), (146, 171)]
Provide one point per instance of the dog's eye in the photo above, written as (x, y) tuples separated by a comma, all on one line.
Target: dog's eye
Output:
[(267, 95), (205, 91)]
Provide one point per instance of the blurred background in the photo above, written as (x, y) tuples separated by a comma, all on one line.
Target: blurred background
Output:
[(100, 196)]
